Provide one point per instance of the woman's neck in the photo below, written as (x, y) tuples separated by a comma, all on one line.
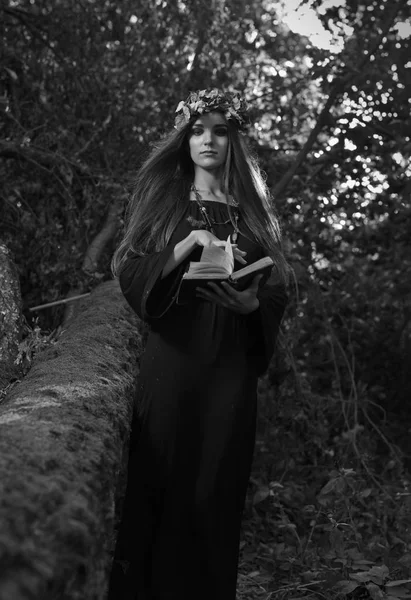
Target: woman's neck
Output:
[(208, 182)]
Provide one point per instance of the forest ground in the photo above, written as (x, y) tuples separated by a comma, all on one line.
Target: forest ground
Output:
[(327, 516)]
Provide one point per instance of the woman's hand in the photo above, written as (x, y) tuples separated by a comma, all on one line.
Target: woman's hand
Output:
[(225, 295), (205, 238)]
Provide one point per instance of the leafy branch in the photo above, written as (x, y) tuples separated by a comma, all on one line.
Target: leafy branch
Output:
[(337, 90)]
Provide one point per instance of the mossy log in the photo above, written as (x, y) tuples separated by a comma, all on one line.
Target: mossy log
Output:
[(63, 444), (10, 317)]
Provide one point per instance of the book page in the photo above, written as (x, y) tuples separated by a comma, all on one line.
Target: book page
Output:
[(258, 264), (229, 249), (204, 270), (219, 257), (215, 263)]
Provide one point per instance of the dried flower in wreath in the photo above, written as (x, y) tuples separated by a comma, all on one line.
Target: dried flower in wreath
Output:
[(231, 104)]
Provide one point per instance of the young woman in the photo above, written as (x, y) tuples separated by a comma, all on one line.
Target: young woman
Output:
[(194, 425)]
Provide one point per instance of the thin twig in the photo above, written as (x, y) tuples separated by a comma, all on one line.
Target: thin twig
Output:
[(98, 131), (298, 586), (56, 302)]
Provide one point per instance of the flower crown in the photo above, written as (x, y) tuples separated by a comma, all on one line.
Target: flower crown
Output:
[(231, 104)]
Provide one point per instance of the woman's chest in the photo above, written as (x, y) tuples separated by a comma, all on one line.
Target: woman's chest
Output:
[(224, 225)]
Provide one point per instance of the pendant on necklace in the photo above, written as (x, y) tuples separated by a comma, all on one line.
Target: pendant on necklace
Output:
[(235, 233)]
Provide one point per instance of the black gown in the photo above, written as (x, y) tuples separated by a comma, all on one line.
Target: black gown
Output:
[(193, 430)]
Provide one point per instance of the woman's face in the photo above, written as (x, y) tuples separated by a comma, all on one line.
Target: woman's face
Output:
[(208, 141)]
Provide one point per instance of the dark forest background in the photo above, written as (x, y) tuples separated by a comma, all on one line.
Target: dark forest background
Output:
[(86, 87)]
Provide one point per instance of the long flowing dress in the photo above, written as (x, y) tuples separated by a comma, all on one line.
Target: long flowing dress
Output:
[(193, 430)]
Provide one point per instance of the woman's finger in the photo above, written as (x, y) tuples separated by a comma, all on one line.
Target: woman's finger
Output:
[(228, 289), (239, 255), (216, 288), (212, 297), (224, 292), (253, 287)]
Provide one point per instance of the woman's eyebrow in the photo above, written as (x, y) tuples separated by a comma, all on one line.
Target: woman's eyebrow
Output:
[(214, 126)]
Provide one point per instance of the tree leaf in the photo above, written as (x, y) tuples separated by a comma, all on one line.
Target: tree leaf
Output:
[(254, 574), (397, 582), (12, 74), (400, 592), (375, 574), (336, 484), (375, 591), (261, 494), (362, 577), (345, 586)]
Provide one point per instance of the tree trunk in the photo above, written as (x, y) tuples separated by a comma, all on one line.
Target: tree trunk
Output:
[(10, 317), (63, 445)]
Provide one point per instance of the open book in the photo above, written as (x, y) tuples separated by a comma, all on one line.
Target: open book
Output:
[(217, 264)]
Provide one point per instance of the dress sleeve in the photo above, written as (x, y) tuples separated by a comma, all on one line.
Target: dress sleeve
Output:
[(264, 323), (140, 281)]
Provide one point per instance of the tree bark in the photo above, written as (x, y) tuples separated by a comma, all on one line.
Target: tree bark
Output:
[(105, 235), (10, 317), (94, 252), (63, 446)]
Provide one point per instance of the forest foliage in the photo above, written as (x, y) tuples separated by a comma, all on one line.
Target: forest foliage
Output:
[(88, 86)]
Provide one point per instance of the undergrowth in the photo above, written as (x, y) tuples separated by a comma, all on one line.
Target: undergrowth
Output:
[(34, 341), (328, 513)]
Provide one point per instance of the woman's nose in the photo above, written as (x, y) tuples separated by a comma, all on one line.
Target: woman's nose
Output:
[(208, 137)]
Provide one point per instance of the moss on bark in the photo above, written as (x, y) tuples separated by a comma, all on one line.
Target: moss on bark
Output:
[(63, 440), (10, 317)]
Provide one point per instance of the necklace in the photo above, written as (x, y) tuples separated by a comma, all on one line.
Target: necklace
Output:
[(210, 222)]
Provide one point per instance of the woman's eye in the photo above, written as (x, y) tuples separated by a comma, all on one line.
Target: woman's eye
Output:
[(197, 131), (221, 132)]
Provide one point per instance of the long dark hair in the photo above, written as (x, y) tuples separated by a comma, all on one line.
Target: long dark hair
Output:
[(162, 189)]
